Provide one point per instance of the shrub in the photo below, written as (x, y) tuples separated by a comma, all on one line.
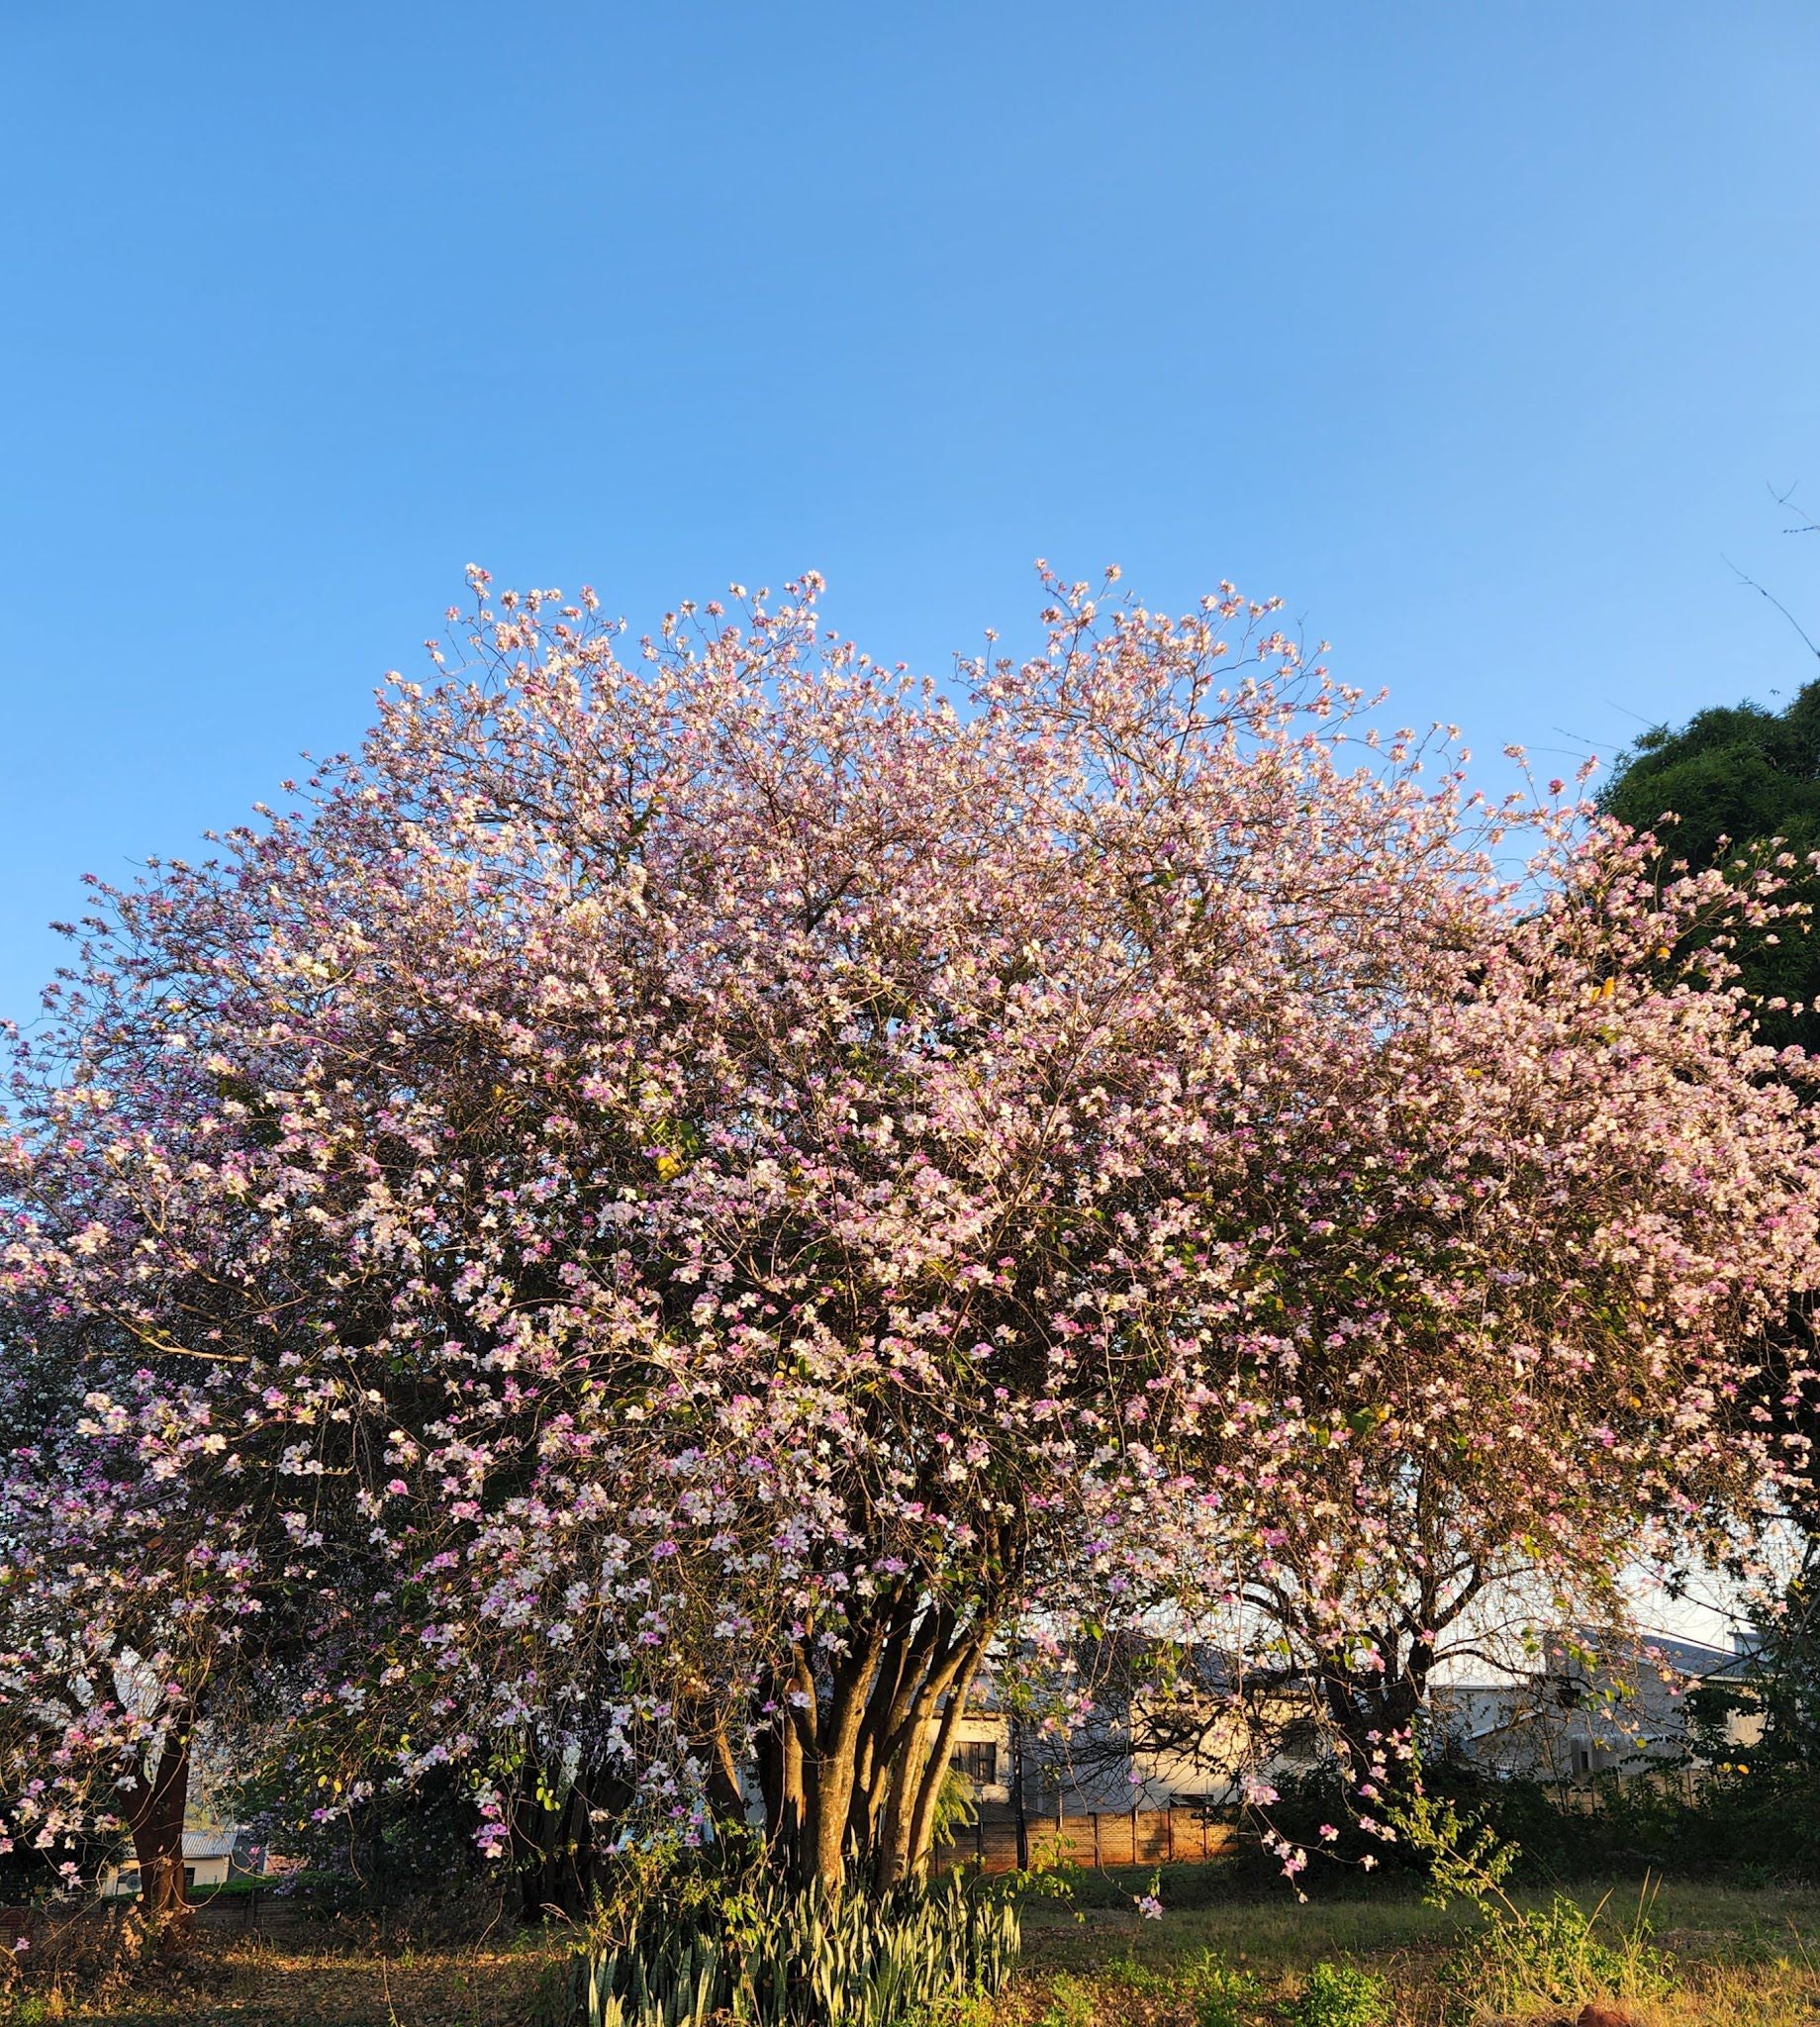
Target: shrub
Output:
[(1556, 1956), (1342, 1995)]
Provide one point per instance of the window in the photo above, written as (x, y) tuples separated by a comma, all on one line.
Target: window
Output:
[(1582, 1757), (978, 1759)]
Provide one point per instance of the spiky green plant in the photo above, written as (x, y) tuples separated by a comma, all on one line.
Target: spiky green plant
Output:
[(761, 1956)]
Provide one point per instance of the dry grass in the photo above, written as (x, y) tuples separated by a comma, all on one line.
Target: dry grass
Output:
[(341, 1981)]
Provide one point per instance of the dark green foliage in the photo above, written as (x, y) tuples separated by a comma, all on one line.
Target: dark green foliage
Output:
[(1737, 771), (751, 1951), (29, 1875), (385, 1852), (1760, 1802), (1750, 1824), (1737, 776), (1753, 1814), (1778, 1685)]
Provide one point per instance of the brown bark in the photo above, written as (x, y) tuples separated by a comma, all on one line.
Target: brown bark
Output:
[(156, 1809), (831, 1794), (780, 1776), (890, 1698), (919, 1756), (852, 1761), (935, 1768), (724, 1792)]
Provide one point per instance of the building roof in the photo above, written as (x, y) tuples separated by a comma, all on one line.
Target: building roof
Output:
[(1689, 1660)]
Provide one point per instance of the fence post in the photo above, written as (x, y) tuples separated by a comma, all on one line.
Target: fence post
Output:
[(1168, 1833), (1095, 1819)]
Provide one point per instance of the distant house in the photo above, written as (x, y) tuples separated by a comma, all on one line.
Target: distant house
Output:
[(211, 1858), (1561, 1720), (1142, 1747), (1565, 1720), (981, 1751)]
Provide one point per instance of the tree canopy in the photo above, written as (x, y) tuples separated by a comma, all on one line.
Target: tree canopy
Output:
[(679, 1200)]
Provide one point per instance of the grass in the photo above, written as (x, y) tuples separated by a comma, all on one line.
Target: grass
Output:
[(1738, 1956)]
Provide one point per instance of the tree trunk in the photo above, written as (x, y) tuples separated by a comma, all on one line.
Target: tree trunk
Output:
[(840, 1752), (553, 1845), (1018, 1818), (936, 1766), (855, 1754), (780, 1778), (1372, 1711), (155, 1815), (919, 1763)]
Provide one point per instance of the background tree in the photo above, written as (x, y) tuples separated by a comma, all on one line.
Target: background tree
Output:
[(1739, 780), (1736, 785)]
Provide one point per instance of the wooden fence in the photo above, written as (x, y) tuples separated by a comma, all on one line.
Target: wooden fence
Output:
[(1103, 1837), (1589, 1795)]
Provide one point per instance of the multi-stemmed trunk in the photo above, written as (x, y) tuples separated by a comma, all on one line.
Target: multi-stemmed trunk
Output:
[(856, 1750)]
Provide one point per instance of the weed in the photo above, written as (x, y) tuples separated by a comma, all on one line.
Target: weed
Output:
[(1555, 1955), (1220, 1995), (1071, 2003), (1144, 1980), (1342, 1995)]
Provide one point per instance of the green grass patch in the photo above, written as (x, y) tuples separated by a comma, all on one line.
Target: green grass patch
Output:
[(1720, 1956)]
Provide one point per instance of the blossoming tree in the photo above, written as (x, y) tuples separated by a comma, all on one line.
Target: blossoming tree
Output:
[(683, 1198)]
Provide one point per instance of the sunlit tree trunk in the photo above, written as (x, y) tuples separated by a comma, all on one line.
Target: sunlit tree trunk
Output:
[(853, 1763)]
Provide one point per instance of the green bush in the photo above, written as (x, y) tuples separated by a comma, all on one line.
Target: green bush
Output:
[(1342, 1995), (1753, 1813), (747, 1950)]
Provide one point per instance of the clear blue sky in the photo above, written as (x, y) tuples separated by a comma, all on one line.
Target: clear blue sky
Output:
[(1474, 331)]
